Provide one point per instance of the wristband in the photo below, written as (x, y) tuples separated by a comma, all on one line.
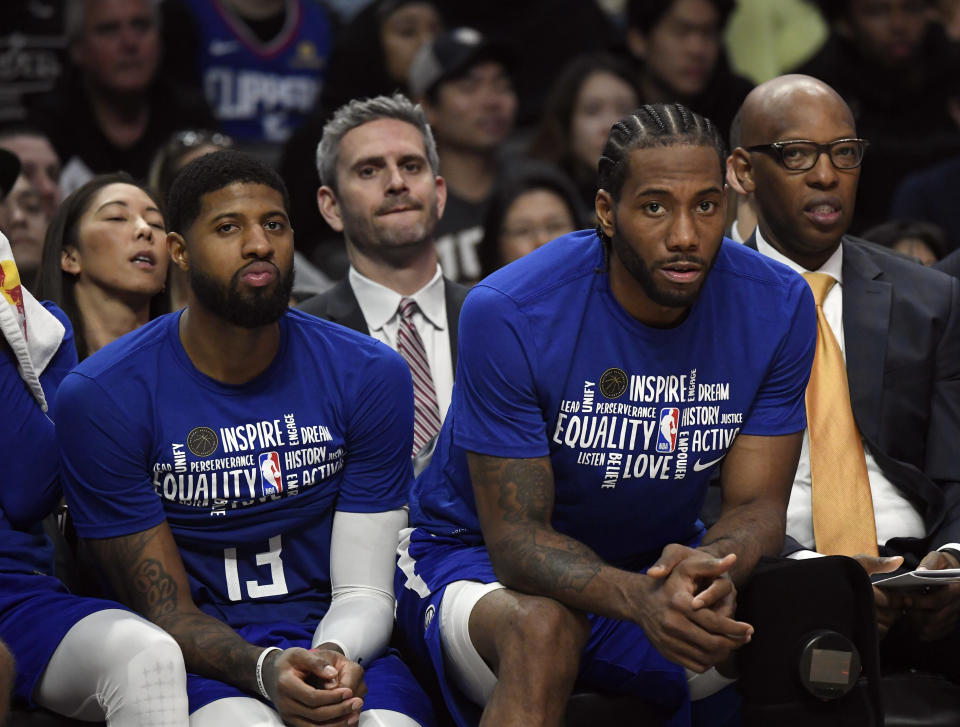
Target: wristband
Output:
[(260, 660)]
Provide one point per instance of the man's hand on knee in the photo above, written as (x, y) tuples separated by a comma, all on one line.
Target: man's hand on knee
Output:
[(314, 687)]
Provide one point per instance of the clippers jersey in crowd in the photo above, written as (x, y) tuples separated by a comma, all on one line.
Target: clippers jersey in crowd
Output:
[(260, 91), (248, 476), (633, 418)]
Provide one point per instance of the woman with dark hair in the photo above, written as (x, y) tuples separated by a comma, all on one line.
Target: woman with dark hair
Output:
[(589, 96), (532, 205), (105, 260)]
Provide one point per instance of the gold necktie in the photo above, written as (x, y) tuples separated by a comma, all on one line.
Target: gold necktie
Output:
[(843, 522)]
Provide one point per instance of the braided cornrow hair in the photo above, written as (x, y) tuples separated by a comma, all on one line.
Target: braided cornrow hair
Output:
[(650, 126)]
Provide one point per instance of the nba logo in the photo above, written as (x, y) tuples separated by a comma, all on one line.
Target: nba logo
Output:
[(667, 437), (270, 480)]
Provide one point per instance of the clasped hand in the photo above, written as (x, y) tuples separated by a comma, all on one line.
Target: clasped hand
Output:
[(315, 687), (687, 612)]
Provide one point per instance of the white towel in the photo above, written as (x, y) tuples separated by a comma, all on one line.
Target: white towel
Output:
[(32, 331)]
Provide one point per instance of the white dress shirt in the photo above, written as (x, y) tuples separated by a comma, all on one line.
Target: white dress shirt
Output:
[(894, 514), (379, 306)]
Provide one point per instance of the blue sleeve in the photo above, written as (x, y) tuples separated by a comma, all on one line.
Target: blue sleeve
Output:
[(105, 453), (497, 409), (378, 471), (779, 407), (28, 448)]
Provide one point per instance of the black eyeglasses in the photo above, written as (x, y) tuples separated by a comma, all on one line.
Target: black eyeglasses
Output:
[(801, 155)]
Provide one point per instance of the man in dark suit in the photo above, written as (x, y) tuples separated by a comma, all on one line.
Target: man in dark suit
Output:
[(381, 188), (898, 327)]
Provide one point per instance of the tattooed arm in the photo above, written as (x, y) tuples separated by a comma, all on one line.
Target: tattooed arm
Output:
[(515, 502), (146, 572)]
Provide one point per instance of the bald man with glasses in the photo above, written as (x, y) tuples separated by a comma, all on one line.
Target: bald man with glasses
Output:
[(886, 377)]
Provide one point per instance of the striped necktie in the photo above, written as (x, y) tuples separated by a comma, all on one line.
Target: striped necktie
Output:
[(426, 412)]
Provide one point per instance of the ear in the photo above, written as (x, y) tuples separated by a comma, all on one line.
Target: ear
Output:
[(177, 247), (70, 261), (742, 169), (731, 177), (329, 208), (606, 214), (441, 196), (636, 43)]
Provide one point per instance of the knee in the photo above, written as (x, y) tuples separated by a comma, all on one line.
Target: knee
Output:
[(542, 627), (138, 644)]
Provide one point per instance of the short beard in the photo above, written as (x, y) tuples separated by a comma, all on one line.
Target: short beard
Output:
[(641, 272), (246, 311), (364, 235)]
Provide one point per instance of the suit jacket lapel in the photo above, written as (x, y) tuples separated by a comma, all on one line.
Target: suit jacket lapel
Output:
[(866, 322), (453, 295), (344, 309)]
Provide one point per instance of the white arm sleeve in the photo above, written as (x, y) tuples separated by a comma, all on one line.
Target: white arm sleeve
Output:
[(363, 557)]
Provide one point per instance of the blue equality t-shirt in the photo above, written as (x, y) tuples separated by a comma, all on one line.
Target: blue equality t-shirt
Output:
[(247, 476), (634, 419)]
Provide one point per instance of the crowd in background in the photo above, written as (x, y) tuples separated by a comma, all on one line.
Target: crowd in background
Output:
[(142, 87)]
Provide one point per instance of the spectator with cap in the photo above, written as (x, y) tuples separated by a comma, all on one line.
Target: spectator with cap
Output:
[(113, 110), (463, 82)]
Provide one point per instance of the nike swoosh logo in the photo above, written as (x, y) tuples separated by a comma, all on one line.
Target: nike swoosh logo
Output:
[(699, 466)]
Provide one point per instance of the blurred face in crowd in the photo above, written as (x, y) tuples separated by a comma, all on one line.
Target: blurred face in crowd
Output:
[(917, 249), (26, 226), (388, 199), (121, 245), (403, 32), (680, 52), (534, 218), (40, 165), (665, 230), (603, 99), (475, 111), (119, 44), (802, 213), (887, 32)]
